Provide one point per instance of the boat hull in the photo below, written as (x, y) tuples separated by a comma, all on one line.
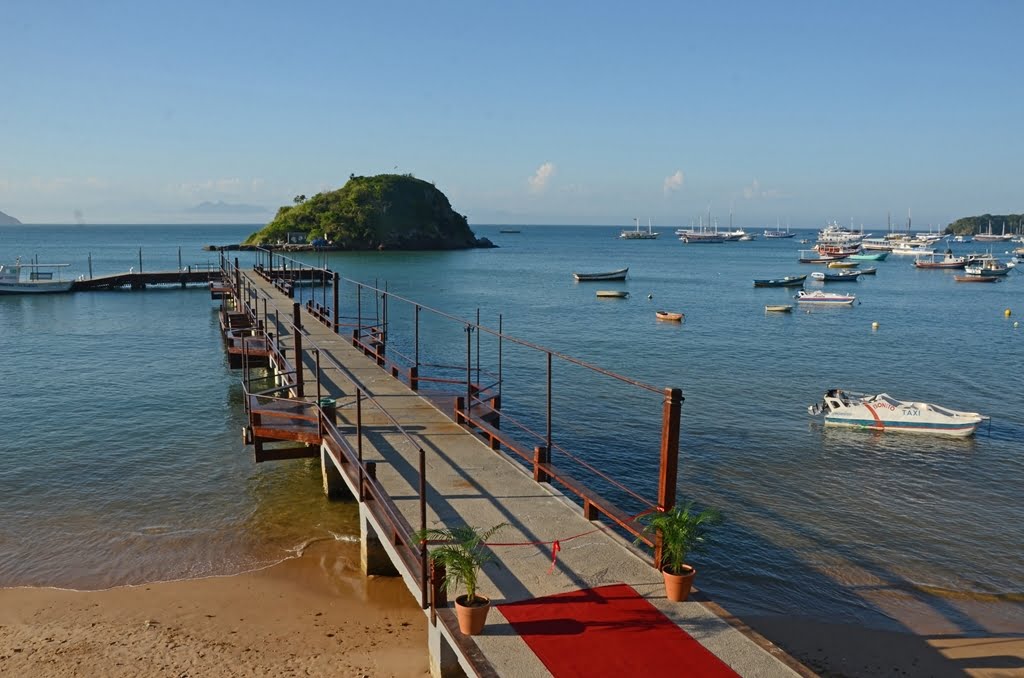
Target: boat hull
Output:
[(595, 277), (53, 287), (955, 431)]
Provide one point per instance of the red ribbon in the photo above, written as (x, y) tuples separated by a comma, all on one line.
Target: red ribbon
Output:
[(555, 548)]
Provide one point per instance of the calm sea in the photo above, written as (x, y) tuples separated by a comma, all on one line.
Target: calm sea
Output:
[(121, 458)]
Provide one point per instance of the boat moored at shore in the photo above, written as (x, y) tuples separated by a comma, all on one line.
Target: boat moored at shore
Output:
[(39, 280)]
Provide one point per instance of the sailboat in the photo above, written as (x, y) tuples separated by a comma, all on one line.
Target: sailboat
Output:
[(637, 234), (994, 237)]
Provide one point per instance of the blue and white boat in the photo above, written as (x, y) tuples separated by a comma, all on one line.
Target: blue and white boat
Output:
[(882, 412)]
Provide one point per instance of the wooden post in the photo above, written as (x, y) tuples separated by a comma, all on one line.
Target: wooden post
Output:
[(541, 455), (336, 312), (438, 594), (668, 471), (297, 336)]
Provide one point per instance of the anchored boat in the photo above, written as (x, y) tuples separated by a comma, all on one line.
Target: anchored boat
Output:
[(882, 412), (819, 297), (788, 281), (610, 275), (669, 315), (38, 281)]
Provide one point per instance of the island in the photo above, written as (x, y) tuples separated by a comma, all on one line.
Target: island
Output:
[(8, 220), (382, 212), (987, 223)]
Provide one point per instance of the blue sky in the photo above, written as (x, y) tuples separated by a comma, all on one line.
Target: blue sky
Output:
[(522, 113)]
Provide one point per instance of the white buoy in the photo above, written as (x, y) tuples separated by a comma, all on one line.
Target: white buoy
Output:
[(1016, 324), (874, 325)]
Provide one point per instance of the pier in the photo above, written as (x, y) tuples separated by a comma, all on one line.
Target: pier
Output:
[(417, 434)]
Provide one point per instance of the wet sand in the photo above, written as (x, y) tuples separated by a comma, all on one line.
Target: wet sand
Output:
[(313, 615)]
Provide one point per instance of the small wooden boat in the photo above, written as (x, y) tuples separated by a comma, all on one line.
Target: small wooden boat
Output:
[(788, 281), (612, 294), (975, 278), (610, 275), (868, 271), (669, 315), (778, 308), (842, 264), (839, 276)]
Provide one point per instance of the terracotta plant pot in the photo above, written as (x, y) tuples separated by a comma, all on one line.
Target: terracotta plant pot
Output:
[(677, 586), (472, 617)]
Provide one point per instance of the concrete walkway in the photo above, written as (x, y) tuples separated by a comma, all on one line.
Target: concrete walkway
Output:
[(468, 483)]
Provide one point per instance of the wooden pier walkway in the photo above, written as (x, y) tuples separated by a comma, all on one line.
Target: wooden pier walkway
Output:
[(391, 446), (140, 281)]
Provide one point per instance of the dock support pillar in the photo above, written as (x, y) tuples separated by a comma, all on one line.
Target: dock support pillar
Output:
[(373, 559), (443, 660), (334, 484)]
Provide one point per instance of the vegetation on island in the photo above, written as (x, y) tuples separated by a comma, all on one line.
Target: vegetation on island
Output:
[(387, 211), (981, 224)]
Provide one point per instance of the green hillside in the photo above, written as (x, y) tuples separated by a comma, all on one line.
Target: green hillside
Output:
[(972, 225), (387, 211)]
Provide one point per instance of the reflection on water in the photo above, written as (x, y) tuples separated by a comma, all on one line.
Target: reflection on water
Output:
[(126, 462)]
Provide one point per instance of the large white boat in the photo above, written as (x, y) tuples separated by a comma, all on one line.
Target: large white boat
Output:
[(38, 279), (637, 234), (882, 412)]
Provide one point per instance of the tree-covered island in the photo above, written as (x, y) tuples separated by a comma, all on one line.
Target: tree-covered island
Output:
[(383, 212), (972, 225)]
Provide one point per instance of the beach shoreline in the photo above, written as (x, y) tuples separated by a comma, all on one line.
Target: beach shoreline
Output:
[(308, 615), (314, 615)]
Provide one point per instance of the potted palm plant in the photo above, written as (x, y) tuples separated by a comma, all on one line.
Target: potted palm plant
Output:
[(683, 530), (463, 552)]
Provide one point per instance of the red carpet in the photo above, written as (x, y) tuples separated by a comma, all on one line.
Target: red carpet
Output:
[(608, 631)]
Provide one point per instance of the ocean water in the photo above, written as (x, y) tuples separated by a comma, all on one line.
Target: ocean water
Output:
[(121, 458)]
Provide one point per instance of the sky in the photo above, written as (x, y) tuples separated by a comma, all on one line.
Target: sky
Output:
[(520, 112)]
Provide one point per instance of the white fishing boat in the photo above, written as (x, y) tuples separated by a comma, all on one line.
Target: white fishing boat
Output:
[(882, 412), (38, 280)]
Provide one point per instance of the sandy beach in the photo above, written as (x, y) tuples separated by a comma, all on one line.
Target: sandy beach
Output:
[(314, 615), (305, 616)]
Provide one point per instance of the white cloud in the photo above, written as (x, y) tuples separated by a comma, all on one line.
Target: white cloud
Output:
[(539, 181), (674, 182), (754, 190)]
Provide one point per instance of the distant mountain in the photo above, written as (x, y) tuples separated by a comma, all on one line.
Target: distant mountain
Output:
[(8, 220), (221, 207)]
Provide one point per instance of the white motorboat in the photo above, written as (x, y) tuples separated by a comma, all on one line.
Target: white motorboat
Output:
[(39, 280), (819, 297), (882, 412)]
